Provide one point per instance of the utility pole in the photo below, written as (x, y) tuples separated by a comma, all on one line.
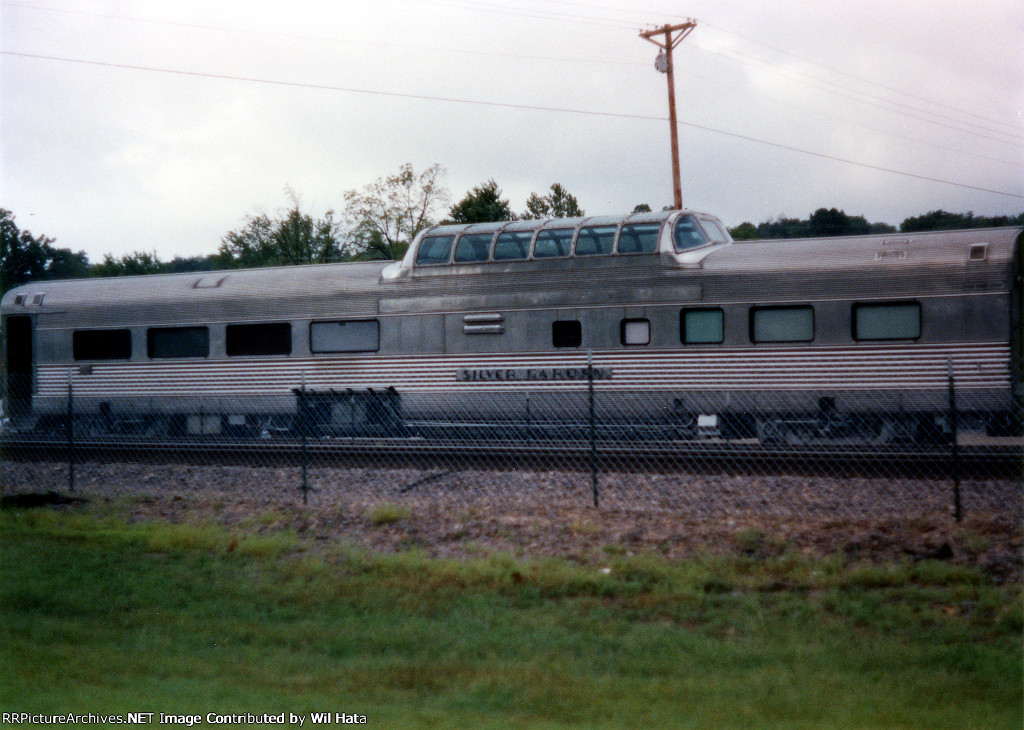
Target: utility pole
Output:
[(664, 64)]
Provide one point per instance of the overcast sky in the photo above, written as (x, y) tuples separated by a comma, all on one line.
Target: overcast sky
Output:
[(158, 126)]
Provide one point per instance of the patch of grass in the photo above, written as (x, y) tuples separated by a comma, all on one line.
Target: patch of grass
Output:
[(388, 514), (98, 612)]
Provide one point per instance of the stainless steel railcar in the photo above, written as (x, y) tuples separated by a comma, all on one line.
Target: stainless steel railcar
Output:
[(481, 323)]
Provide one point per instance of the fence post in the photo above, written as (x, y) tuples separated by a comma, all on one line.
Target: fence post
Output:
[(955, 448), (71, 435), (303, 426), (593, 426)]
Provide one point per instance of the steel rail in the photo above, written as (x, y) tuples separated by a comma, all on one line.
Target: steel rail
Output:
[(924, 461)]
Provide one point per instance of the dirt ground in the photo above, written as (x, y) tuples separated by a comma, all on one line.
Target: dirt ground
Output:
[(469, 513)]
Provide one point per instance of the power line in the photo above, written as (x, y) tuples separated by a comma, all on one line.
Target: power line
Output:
[(520, 12), (506, 105), (843, 120), (804, 59), (496, 54), (864, 80), (878, 103)]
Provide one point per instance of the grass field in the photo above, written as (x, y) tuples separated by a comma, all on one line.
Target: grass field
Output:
[(99, 615)]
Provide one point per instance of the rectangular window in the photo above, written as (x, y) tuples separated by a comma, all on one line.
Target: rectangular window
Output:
[(639, 238), (595, 240), (434, 250), (178, 342), (272, 338), (896, 321), (102, 344), (702, 326), (566, 333), (512, 245), (553, 243), (473, 247), (345, 336), (635, 332), (18, 332), (782, 324)]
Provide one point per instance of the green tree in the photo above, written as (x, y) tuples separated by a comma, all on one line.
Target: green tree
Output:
[(823, 222), (642, 208), (384, 217), (292, 237), (179, 265), (940, 220), (559, 203), (137, 263), (783, 227), (745, 231), (24, 257), (830, 222), (483, 204)]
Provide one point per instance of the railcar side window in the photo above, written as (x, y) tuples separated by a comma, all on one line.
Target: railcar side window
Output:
[(782, 324), (102, 344), (345, 336), (473, 247), (512, 245), (595, 240), (553, 243), (688, 234), (894, 321), (639, 238), (635, 332), (434, 250), (567, 333), (702, 326), (178, 342), (272, 338)]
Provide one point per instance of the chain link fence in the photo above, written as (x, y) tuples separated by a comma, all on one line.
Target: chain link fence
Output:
[(514, 449)]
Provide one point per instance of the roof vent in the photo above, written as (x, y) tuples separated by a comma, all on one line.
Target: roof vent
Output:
[(977, 252)]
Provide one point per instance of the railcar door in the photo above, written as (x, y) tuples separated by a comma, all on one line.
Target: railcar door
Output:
[(18, 344)]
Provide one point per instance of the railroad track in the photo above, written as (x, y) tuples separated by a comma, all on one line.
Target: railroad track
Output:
[(969, 460)]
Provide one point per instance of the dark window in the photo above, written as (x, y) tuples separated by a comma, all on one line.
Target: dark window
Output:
[(566, 333), (887, 321), (595, 240), (178, 342), (782, 324), (102, 344), (702, 326), (473, 247), (18, 342), (688, 234), (434, 250), (273, 338), (553, 243), (345, 336), (639, 238), (635, 332), (512, 245)]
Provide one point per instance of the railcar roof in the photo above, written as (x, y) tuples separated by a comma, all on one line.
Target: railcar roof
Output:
[(893, 250), (230, 283)]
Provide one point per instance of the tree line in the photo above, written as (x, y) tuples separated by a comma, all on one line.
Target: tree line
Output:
[(378, 221)]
